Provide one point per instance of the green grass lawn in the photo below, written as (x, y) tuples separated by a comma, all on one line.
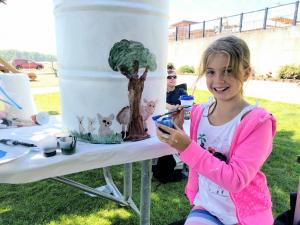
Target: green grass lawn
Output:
[(49, 202)]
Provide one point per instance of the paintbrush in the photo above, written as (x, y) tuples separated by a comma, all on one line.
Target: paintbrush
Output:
[(167, 113)]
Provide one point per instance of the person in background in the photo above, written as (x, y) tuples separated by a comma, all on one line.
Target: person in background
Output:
[(229, 142), (169, 168), (173, 91)]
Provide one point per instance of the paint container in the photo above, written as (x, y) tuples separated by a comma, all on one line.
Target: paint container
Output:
[(47, 144), (187, 102), (67, 144), (167, 121), (49, 152)]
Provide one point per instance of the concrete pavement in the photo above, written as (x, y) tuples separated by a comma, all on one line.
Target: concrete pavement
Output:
[(270, 90), (44, 90)]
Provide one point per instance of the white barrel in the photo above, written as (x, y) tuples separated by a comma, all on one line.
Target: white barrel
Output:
[(17, 88), (86, 30)]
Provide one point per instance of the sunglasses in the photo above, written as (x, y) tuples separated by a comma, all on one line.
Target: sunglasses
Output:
[(170, 77)]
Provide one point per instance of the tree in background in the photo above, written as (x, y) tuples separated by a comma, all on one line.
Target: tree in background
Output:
[(11, 54), (128, 57), (3, 1)]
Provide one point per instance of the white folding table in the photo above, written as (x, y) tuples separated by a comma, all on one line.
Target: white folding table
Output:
[(34, 166)]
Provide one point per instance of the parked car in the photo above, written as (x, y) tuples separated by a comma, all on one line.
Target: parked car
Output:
[(26, 64)]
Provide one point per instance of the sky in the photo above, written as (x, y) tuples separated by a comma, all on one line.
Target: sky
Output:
[(28, 25)]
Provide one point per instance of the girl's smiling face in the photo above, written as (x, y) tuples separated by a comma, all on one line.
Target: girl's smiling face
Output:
[(220, 80)]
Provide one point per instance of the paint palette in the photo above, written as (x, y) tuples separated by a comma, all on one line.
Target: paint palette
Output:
[(12, 153)]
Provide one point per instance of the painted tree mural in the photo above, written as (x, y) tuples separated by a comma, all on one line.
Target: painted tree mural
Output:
[(128, 57)]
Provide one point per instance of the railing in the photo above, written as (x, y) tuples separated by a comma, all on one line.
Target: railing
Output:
[(272, 17)]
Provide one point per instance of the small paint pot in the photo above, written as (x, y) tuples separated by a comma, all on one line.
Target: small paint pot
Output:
[(187, 102), (167, 121), (49, 152), (48, 144), (67, 144)]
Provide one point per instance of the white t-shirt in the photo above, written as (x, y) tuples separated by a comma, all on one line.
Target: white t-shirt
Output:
[(211, 196)]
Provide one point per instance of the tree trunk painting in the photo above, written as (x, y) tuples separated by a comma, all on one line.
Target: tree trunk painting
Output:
[(128, 57), (136, 127)]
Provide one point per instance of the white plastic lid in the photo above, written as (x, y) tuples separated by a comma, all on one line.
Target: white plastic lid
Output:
[(42, 118)]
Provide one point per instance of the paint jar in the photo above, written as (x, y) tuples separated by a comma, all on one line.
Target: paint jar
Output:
[(167, 121), (48, 144), (187, 102), (49, 152), (67, 144)]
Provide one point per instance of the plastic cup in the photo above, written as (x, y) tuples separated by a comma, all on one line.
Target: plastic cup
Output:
[(187, 102)]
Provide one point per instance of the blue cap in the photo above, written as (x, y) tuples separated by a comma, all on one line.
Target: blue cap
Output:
[(186, 97)]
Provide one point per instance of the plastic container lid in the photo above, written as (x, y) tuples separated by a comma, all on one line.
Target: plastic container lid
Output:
[(186, 97), (42, 118)]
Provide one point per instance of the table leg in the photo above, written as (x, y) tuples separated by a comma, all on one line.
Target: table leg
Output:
[(127, 187), (145, 202), (110, 190), (127, 181), (90, 190), (110, 183)]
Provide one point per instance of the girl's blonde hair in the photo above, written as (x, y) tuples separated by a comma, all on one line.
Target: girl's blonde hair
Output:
[(237, 51)]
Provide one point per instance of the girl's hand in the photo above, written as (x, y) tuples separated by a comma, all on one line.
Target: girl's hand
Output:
[(176, 138), (178, 117)]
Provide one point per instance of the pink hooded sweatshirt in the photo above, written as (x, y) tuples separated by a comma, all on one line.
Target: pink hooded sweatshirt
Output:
[(241, 175)]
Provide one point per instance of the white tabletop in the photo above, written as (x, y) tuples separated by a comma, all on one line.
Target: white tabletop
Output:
[(35, 166)]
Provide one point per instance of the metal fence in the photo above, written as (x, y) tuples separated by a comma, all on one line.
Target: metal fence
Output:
[(268, 18)]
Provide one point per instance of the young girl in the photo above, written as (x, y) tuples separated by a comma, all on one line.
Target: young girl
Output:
[(229, 142)]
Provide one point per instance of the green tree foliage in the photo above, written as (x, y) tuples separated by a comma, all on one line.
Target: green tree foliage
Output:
[(186, 69), (11, 54), (124, 53), (289, 72)]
